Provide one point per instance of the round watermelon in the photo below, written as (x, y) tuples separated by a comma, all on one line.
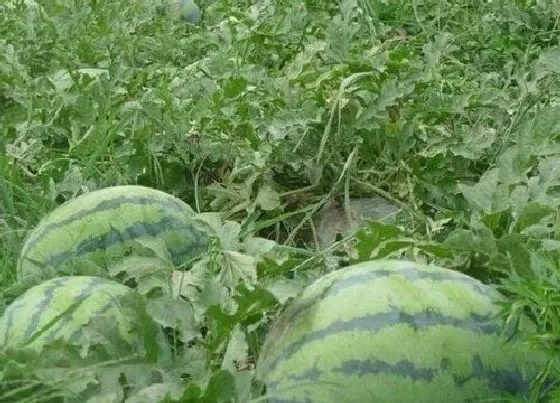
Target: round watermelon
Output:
[(393, 331), (61, 307), (92, 230), (189, 11)]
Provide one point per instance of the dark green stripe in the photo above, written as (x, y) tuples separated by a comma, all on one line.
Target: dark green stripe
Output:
[(196, 242), (9, 318), (503, 380), (312, 374), (478, 324), (137, 230), (41, 307), (167, 204), (85, 292), (509, 381), (410, 273)]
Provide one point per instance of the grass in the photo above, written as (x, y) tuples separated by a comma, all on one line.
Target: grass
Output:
[(266, 111)]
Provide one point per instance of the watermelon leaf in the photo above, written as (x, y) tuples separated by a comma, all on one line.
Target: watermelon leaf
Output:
[(174, 313), (221, 388)]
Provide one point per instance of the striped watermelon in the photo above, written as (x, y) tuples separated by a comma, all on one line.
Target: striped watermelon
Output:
[(392, 331), (60, 307), (100, 225)]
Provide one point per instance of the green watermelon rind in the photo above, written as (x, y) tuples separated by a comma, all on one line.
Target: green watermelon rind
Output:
[(58, 308), (102, 224), (348, 332)]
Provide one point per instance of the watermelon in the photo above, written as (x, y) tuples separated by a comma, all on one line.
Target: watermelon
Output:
[(59, 308), (190, 11), (95, 228), (393, 331)]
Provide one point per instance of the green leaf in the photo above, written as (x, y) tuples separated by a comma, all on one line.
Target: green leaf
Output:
[(267, 198), (373, 236), (489, 195), (255, 246), (474, 142), (250, 307), (149, 273), (435, 249), (548, 63), (466, 240), (236, 351), (221, 388), (234, 87), (284, 289), (237, 267), (435, 49), (550, 245), (191, 394), (532, 214), (548, 181), (514, 165), (227, 231), (157, 246), (390, 248), (518, 257), (194, 363), (155, 393), (538, 136), (175, 313)]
